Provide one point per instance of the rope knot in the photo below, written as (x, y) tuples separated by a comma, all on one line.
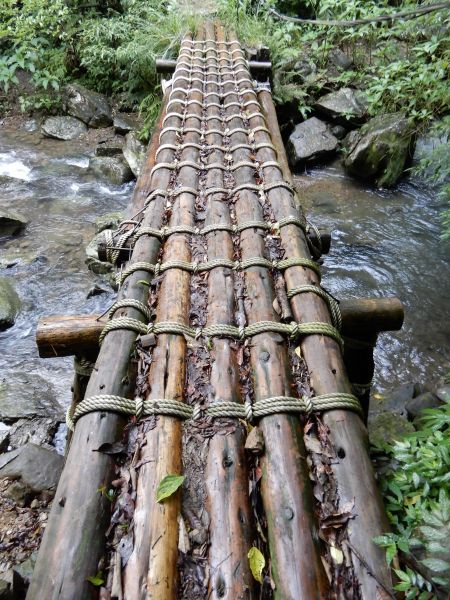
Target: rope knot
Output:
[(295, 330), (150, 327), (195, 266), (237, 265), (157, 269), (241, 331), (197, 412), (309, 406), (198, 333), (248, 410), (164, 231), (139, 407)]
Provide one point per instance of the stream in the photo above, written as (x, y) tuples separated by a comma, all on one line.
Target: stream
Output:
[(384, 243)]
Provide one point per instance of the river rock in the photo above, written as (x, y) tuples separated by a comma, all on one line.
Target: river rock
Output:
[(88, 106), (311, 141), (381, 149), (108, 221), (134, 152), (92, 260), (9, 304), (63, 128), (345, 106), (27, 395), (443, 393), (340, 59), (386, 427), (11, 223), (110, 148), (126, 122), (38, 430), (113, 168), (416, 405), (37, 467)]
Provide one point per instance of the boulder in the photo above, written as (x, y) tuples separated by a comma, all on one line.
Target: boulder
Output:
[(109, 148), (108, 221), (443, 393), (311, 141), (4, 437), (63, 128), (416, 405), (134, 152), (126, 122), (39, 430), (37, 467), (113, 168), (381, 149), (11, 223), (340, 59), (9, 304), (25, 395), (88, 106), (344, 106), (92, 260), (387, 427)]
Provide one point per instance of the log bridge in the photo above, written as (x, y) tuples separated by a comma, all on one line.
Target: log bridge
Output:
[(223, 360)]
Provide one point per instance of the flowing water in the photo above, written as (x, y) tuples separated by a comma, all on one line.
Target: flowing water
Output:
[(384, 243)]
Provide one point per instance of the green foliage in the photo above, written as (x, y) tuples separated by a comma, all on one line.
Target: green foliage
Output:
[(168, 486), (415, 484)]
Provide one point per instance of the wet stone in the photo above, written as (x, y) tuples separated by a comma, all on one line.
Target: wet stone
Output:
[(88, 106), (311, 141), (37, 467), (126, 122), (27, 395), (381, 150), (134, 152), (9, 305), (112, 168), (63, 128), (11, 223), (109, 148), (345, 106), (443, 393), (416, 405), (108, 221), (387, 427)]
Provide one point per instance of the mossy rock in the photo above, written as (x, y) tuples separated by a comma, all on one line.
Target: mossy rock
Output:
[(387, 427), (381, 150)]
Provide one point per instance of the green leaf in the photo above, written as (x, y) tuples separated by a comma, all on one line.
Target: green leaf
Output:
[(96, 580), (168, 486), (257, 563), (436, 564)]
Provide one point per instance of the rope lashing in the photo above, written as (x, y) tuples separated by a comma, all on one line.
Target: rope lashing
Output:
[(123, 323), (250, 411), (333, 304), (137, 407), (200, 267), (130, 303)]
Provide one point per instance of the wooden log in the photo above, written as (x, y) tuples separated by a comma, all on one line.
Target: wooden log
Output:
[(293, 538), (230, 531), (353, 470), (75, 334), (151, 570), (74, 538)]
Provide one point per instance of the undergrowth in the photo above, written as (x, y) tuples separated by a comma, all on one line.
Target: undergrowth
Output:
[(415, 482)]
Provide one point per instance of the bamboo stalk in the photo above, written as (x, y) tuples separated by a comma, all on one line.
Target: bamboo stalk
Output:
[(353, 470), (151, 570), (226, 473), (287, 496), (74, 540)]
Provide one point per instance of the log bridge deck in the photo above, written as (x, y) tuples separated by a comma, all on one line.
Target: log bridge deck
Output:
[(221, 321)]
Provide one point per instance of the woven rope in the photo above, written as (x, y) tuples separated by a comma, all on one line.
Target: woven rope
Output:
[(174, 408), (194, 267), (333, 305), (123, 323), (130, 303)]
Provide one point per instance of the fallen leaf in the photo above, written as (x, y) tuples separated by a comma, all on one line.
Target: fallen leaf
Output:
[(257, 563), (168, 486), (298, 351)]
